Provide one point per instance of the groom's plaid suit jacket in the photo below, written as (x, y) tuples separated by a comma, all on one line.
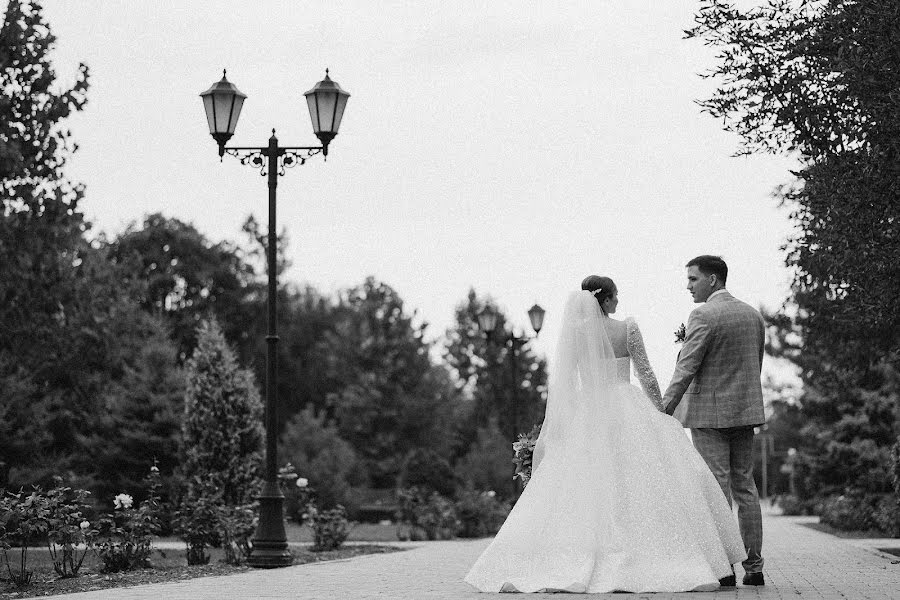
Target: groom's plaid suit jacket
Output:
[(717, 374)]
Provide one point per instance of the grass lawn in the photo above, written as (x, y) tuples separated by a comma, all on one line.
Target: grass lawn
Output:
[(168, 565)]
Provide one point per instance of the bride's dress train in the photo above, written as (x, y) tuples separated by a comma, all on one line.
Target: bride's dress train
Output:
[(619, 500)]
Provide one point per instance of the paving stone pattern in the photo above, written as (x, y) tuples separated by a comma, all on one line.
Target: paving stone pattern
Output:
[(800, 563)]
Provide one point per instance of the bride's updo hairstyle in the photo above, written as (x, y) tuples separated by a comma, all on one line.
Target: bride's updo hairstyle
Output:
[(601, 287)]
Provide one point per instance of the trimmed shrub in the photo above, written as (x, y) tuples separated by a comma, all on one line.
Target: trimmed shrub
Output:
[(425, 514), (196, 523), (792, 505), (480, 514), (316, 452), (886, 515), (330, 527), (426, 469), (488, 465)]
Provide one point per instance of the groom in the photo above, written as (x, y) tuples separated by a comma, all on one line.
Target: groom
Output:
[(716, 388)]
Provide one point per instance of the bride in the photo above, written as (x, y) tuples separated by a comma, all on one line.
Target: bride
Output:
[(618, 500)]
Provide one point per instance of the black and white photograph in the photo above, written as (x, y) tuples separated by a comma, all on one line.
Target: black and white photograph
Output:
[(422, 300)]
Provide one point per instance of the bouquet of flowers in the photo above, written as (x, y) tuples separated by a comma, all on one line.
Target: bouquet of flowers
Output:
[(524, 449), (680, 333)]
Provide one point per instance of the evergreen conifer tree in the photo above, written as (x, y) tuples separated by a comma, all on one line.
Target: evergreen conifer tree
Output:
[(222, 432)]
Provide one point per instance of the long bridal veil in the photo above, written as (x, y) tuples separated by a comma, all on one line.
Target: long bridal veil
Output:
[(583, 374)]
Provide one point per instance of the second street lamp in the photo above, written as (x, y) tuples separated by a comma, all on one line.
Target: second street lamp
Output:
[(222, 103), (487, 322)]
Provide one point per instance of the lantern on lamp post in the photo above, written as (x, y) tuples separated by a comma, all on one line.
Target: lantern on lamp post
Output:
[(326, 102), (222, 103)]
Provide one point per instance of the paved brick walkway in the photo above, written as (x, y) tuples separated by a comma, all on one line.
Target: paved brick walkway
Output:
[(800, 563)]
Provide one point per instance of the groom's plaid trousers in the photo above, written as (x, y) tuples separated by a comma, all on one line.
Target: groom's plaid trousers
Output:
[(729, 454)]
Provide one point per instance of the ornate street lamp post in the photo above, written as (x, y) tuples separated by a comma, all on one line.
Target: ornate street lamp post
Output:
[(487, 322), (223, 102)]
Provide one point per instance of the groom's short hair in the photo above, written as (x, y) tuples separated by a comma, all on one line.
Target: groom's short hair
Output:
[(710, 265)]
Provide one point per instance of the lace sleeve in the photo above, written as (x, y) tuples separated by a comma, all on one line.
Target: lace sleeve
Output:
[(641, 363)]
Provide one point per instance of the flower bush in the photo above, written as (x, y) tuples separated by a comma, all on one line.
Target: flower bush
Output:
[(23, 519), (792, 505), (330, 527), (297, 492), (523, 450), (203, 520), (425, 514), (886, 515), (197, 524), (480, 514), (236, 525), (69, 535), (124, 538), (197, 520), (850, 512)]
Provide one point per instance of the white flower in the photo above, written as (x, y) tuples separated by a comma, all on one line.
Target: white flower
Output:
[(302, 482), (84, 525), (491, 493), (123, 501)]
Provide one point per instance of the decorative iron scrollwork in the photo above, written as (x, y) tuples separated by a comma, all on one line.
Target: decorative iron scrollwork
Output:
[(291, 157), (259, 157), (254, 157)]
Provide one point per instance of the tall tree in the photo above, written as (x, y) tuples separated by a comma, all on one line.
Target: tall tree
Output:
[(189, 278), (320, 455), (222, 432), (818, 80), (59, 298), (391, 398), (305, 318), (41, 228), (142, 410)]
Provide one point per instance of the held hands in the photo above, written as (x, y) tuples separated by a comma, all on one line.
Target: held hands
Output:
[(671, 406)]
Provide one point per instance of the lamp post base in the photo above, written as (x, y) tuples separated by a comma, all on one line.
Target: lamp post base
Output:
[(270, 547)]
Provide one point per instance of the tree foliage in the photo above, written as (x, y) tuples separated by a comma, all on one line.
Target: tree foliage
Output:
[(70, 330), (484, 374), (40, 226), (34, 146), (488, 463), (188, 278), (140, 421), (818, 80), (320, 455), (390, 398), (222, 431)]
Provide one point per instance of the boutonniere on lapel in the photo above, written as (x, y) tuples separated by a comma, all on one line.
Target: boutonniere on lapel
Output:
[(680, 334)]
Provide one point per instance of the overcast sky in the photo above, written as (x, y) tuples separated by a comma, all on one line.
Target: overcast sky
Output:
[(514, 147)]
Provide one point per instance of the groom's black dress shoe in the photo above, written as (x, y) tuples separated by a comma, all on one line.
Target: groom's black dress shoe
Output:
[(754, 579), (729, 581)]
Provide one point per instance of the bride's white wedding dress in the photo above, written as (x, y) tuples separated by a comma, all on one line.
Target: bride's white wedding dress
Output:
[(619, 500)]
